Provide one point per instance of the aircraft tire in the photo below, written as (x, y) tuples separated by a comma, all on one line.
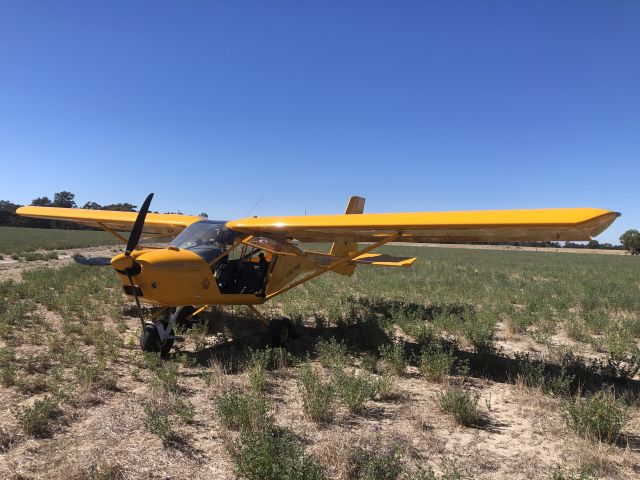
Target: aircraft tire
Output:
[(279, 331), (180, 317), (150, 340)]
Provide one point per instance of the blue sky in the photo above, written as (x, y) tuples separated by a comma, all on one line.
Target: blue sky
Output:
[(415, 105)]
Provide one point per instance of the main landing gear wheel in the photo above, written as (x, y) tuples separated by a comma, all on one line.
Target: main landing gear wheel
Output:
[(150, 340), (182, 317), (279, 331)]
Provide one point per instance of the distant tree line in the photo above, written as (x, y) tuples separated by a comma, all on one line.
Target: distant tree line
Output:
[(64, 199), (592, 245)]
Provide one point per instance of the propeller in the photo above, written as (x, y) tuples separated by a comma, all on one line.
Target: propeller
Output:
[(134, 239), (136, 231)]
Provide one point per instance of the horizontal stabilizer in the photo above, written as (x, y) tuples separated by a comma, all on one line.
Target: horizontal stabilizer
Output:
[(384, 260)]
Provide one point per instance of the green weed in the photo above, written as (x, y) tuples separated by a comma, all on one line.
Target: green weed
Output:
[(157, 421), (258, 364), (600, 416), (331, 353), (355, 390), (273, 454), (242, 412), (35, 420), (462, 404), (317, 395), (376, 462), (435, 363), (394, 358)]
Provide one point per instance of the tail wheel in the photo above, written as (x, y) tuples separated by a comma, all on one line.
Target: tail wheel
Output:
[(279, 331)]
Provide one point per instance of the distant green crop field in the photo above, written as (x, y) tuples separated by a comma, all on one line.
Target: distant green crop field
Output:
[(19, 240)]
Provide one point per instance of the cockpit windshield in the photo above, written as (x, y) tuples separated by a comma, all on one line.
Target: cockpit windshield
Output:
[(207, 238)]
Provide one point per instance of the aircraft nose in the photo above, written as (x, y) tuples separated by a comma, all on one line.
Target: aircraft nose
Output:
[(125, 264)]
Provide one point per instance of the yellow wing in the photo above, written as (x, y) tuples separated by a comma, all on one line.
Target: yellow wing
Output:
[(454, 227), (157, 224)]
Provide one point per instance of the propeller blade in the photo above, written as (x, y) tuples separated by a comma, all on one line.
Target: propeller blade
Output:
[(136, 231), (92, 261)]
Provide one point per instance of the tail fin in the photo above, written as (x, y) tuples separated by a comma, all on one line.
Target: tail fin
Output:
[(341, 248)]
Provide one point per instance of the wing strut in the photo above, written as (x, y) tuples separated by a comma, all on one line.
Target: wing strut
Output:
[(113, 232), (334, 265)]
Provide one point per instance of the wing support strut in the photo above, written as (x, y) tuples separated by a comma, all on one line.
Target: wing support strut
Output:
[(113, 232), (258, 314), (334, 265)]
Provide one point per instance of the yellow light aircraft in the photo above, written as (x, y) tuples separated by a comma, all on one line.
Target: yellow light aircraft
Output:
[(252, 260)]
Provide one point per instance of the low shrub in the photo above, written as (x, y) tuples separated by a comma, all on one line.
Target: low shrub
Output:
[(184, 409), (33, 256), (89, 374), (331, 353), (600, 416), (258, 364), (242, 412), (369, 362), (105, 471), (435, 363), (317, 395), (7, 366), (355, 390), (157, 421), (7, 440), (394, 358), (376, 462), (166, 377), (480, 331), (273, 454), (426, 473), (35, 420), (462, 404), (559, 474)]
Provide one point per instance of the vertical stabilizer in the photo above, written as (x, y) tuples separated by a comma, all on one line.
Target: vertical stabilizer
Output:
[(342, 248)]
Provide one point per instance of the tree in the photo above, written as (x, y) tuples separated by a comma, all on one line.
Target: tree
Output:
[(41, 202), (8, 212), (631, 241), (121, 207), (593, 244), (92, 206), (64, 199), (7, 206)]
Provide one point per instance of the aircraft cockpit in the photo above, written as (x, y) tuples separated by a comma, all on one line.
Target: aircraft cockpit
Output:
[(207, 238), (243, 270)]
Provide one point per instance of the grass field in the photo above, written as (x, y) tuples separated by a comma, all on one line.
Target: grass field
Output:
[(471, 364), (21, 240)]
